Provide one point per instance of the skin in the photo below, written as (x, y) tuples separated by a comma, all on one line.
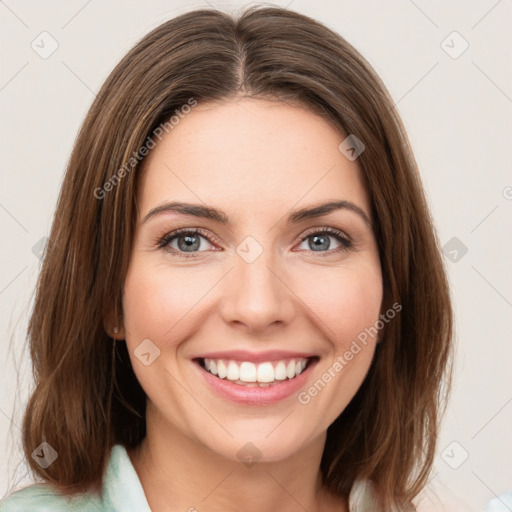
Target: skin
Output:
[(256, 160)]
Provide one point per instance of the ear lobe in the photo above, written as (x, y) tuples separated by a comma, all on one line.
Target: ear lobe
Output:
[(116, 332), (113, 325)]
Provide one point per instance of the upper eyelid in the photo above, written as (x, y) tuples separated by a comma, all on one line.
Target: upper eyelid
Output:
[(330, 230)]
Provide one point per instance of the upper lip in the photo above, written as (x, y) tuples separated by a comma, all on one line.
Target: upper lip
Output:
[(255, 357)]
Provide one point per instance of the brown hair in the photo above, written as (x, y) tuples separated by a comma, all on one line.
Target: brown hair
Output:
[(86, 396)]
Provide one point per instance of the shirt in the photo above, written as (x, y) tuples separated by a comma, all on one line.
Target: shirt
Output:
[(501, 503), (123, 492)]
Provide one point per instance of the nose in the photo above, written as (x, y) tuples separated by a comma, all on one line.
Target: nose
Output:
[(258, 294)]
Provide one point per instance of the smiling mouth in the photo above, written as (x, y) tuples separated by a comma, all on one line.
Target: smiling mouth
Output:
[(264, 374)]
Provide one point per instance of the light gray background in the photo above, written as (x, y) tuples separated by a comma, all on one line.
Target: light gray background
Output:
[(457, 112)]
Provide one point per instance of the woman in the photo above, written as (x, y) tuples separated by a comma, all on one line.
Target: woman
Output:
[(242, 304)]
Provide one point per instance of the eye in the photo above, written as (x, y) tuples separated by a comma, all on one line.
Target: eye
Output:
[(318, 241), (188, 241)]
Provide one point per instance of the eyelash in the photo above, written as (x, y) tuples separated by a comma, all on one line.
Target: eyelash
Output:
[(161, 243)]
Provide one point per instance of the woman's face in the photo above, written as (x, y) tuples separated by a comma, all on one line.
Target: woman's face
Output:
[(261, 289)]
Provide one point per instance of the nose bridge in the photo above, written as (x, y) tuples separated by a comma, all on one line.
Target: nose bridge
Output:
[(257, 295)]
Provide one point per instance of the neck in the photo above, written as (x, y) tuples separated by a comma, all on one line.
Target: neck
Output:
[(177, 473)]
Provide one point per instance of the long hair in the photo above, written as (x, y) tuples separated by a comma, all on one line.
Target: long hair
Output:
[(86, 396)]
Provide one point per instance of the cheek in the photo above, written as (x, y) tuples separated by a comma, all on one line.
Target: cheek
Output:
[(347, 302), (158, 304), (349, 309), (359, 308), (156, 300)]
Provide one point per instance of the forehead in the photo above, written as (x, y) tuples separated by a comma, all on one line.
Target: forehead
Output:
[(250, 155)]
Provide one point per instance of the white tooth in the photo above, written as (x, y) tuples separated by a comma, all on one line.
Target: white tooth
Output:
[(247, 372), (280, 371), (232, 371), (265, 372), (221, 369), (290, 369)]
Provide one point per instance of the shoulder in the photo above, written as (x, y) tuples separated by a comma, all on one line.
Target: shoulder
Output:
[(46, 498), (501, 503), (364, 497), (121, 490)]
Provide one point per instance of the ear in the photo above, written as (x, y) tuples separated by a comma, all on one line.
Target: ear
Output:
[(113, 324)]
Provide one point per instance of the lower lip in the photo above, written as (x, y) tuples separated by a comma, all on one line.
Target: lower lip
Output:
[(255, 395)]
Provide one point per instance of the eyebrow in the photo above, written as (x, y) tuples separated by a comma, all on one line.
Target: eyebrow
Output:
[(217, 215)]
